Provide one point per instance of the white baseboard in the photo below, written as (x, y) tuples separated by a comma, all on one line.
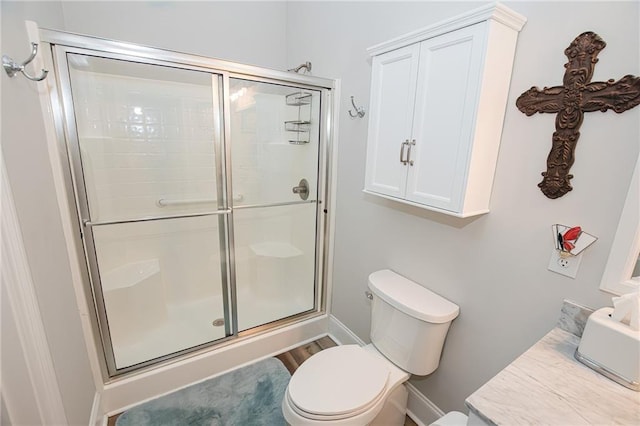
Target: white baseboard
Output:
[(40, 383), (341, 334), (419, 407)]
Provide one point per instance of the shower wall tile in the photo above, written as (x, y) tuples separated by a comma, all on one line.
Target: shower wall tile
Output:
[(143, 140)]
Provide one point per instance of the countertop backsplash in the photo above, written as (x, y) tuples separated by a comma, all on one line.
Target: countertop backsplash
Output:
[(573, 317)]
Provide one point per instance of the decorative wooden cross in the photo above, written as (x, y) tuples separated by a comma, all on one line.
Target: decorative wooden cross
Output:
[(570, 101)]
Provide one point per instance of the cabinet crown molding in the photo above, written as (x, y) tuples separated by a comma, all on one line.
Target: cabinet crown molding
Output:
[(491, 11)]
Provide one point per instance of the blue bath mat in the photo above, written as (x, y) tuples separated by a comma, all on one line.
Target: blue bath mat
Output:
[(249, 396)]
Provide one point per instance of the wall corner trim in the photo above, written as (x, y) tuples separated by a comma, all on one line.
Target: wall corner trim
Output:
[(18, 283), (56, 152), (97, 418)]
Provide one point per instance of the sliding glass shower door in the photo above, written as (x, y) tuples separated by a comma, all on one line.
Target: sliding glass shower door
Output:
[(198, 196), (149, 149), (274, 150)]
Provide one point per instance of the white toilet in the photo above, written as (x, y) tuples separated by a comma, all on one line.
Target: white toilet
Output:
[(353, 385)]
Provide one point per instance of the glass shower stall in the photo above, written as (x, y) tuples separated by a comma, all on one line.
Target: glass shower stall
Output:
[(200, 190)]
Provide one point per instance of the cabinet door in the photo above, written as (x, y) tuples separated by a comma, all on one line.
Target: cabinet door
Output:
[(447, 91), (392, 99)]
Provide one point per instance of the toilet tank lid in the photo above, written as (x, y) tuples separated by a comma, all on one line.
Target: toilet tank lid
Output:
[(411, 298)]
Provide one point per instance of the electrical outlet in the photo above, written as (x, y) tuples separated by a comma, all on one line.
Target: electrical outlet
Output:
[(567, 266)]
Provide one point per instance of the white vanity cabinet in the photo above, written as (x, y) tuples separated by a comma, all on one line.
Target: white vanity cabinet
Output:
[(438, 98)]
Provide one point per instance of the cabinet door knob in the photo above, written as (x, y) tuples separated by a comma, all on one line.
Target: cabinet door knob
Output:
[(413, 142), (402, 145)]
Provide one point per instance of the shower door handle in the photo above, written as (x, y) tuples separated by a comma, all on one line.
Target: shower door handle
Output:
[(302, 189)]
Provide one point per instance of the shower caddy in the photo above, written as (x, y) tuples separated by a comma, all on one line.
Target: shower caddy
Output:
[(300, 127)]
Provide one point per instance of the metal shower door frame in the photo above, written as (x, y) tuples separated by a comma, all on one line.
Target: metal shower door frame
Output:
[(86, 225), (61, 44)]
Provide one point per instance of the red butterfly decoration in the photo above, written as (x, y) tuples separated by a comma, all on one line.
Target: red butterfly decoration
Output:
[(568, 240)]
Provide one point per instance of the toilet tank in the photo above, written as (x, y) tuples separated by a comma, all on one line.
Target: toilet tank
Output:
[(409, 323)]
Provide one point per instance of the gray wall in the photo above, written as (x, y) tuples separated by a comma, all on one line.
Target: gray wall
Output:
[(495, 266), (246, 32), (26, 158)]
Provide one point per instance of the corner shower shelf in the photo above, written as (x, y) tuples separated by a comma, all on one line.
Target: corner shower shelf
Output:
[(298, 99), (275, 249), (297, 126), (130, 274), (301, 127)]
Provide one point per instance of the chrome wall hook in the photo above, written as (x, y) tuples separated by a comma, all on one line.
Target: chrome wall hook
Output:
[(12, 67), (359, 110)]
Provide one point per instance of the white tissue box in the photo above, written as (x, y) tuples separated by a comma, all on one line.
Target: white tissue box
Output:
[(611, 348)]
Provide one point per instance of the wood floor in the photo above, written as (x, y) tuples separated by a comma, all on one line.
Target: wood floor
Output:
[(292, 360), (296, 356)]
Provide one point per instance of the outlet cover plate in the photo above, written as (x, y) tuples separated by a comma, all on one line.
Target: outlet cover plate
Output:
[(567, 266)]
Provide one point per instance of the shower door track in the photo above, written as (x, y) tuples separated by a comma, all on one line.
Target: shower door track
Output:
[(62, 43), (184, 60)]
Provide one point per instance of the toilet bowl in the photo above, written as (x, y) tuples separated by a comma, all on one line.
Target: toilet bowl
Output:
[(344, 385), (353, 385)]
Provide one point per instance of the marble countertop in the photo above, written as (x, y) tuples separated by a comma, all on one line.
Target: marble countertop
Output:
[(547, 386)]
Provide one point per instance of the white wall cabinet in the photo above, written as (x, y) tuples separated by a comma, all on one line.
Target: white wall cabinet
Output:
[(438, 98)]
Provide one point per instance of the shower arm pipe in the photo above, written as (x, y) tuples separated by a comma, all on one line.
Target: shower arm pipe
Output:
[(90, 223), (164, 202), (306, 65)]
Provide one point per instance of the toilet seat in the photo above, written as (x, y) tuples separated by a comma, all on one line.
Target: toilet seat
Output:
[(338, 383), (332, 417)]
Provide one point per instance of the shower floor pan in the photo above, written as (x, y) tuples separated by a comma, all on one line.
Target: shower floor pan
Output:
[(190, 324)]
